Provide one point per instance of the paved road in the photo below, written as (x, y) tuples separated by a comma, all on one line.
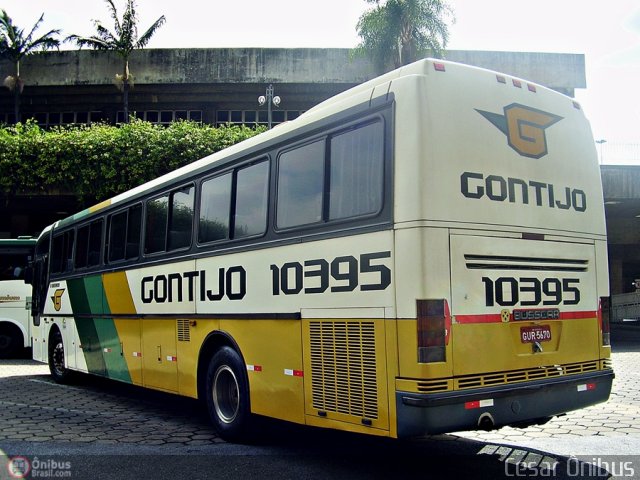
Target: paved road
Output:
[(104, 429)]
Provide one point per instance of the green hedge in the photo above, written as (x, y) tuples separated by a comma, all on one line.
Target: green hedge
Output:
[(100, 161)]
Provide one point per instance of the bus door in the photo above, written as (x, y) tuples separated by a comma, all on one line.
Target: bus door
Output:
[(521, 305)]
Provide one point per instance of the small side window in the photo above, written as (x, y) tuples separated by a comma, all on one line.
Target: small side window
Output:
[(252, 199), (181, 218), (300, 185), (169, 221), (356, 172), (215, 208), (124, 234), (156, 225), (89, 245), (62, 252)]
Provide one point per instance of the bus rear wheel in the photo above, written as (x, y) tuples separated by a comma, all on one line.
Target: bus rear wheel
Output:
[(10, 340), (227, 398), (57, 362)]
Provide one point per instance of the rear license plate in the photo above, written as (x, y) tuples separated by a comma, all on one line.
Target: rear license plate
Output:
[(538, 333)]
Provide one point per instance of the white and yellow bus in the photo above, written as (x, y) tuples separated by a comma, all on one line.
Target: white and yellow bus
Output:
[(15, 295), (423, 253)]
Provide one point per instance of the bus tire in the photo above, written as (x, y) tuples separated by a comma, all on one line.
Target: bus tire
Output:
[(227, 396), (11, 340), (57, 362)]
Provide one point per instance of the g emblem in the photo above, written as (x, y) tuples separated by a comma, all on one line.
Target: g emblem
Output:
[(524, 127), (57, 299)]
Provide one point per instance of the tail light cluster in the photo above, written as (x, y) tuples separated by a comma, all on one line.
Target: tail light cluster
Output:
[(434, 325), (604, 315)]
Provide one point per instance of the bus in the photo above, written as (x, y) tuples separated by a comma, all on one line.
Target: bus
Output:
[(423, 253), (15, 295)]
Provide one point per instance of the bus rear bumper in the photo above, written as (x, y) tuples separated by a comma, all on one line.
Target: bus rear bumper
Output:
[(495, 407)]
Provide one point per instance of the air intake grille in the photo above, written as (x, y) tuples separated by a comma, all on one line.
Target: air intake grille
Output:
[(184, 330), (502, 262), (500, 378), (343, 368)]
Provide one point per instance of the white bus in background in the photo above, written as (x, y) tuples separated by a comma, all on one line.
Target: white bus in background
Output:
[(15, 296)]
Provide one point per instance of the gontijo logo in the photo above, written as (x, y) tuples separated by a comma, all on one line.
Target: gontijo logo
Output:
[(524, 127), (57, 299)]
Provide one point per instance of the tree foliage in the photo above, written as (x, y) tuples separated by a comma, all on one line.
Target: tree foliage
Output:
[(15, 45), (99, 161), (398, 32), (123, 41)]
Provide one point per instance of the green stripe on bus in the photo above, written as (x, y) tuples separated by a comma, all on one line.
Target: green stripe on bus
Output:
[(98, 335)]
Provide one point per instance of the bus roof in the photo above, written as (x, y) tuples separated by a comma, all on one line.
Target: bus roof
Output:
[(358, 95)]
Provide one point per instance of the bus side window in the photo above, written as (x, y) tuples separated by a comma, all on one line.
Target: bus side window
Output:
[(181, 218), (301, 185), (252, 199), (215, 207), (357, 167), (134, 228), (156, 225), (117, 236), (89, 245), (62, 252), (124, 234)]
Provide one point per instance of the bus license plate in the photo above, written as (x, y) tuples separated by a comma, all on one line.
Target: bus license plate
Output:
[(538, 333)]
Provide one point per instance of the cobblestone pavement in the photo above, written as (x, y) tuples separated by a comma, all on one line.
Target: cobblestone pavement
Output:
[(35, 409)]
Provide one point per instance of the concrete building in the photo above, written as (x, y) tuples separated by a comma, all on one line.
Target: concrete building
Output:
[(222, 85)]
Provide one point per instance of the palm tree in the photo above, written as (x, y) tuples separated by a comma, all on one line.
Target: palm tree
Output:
[(123, 41), (398, 32), (14, 46)]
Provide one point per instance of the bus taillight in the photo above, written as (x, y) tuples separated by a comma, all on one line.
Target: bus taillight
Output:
[(604, 310), (434, 324)]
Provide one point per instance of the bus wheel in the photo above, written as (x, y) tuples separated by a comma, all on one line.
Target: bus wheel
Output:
[(10, 340), (57, 364), (228, 395)]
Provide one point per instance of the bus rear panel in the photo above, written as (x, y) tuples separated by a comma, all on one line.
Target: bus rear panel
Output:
[(503, 275)]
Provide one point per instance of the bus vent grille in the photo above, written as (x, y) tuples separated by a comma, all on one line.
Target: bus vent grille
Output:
[(501, 378), (184, 330), (343, 368), (433, 386), (503, 262), (607, 364)]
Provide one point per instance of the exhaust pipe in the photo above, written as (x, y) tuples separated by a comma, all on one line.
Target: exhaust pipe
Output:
[(486, 422)]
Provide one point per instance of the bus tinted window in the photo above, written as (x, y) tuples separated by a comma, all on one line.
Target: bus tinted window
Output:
[(124, 234), (300, 185), (134, 227), (215, 204), (156, 225), (89, 244), (83, 247), (252, 186), (117, 236), (62, 252), (181, 218), (357, 163)]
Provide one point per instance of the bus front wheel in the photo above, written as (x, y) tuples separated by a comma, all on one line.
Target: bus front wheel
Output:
[(228, 395), (57, 361)]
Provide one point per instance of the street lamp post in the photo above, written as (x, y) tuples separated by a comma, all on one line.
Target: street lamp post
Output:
[(270, 100)]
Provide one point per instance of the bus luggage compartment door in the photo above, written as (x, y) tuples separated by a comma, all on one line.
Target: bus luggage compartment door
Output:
[(520, 305)]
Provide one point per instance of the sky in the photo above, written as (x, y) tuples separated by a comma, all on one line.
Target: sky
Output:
[(607, 33)]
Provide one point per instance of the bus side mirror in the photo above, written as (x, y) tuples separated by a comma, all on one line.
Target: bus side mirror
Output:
[(28, 275)]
